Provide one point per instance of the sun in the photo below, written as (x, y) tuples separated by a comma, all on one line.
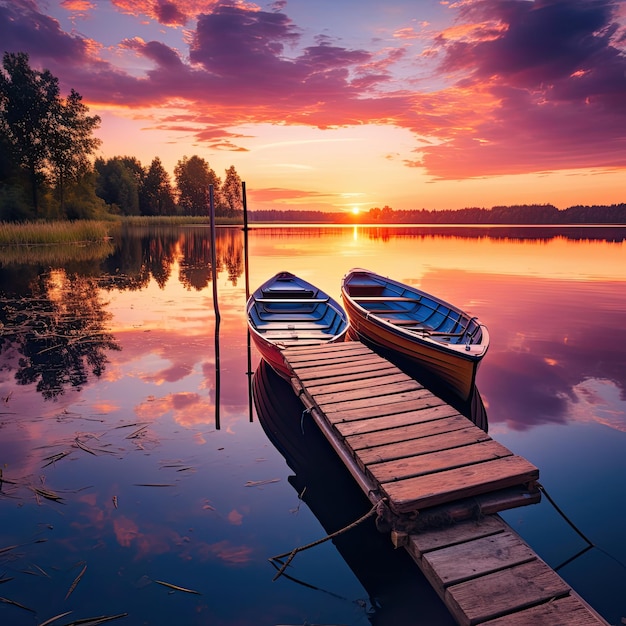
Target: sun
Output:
[(355, 210)]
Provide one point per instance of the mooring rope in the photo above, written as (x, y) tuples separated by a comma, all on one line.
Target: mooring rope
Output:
[(302, 419), (560, 512), (295, 551), (590, 543)]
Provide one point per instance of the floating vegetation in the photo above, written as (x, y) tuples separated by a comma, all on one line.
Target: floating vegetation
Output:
[(259, 483), (54, 619), (76, 581), (47, 494), (17, 604), (54, 458), (177, 588), (88, 621)]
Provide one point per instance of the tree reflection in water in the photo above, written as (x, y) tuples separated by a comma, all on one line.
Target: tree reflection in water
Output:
[(56, 336)]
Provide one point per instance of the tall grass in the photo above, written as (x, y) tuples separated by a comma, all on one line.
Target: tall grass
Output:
[(179, 220), (32, 233)]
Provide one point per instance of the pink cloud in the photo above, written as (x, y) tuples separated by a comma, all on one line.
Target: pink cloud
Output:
[(529, 86)]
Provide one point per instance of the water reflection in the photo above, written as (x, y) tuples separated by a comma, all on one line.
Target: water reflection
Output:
[(56, 334), (553, 383), (389, 576)]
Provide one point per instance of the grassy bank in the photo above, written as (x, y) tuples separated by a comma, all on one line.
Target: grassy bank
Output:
[(86, 231), (180, 220), (38, 233)]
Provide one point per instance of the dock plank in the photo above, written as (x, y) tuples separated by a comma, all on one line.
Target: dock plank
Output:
[(348, 413), (441, 460), (485, 555), (511, 589), (567, 611), (403, 397), (432, 489), (321, 387), (350, 378), (461, 532), (440, 418), (412, 442), (386, 390)]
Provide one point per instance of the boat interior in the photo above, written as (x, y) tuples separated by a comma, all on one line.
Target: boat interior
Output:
[(413, 312)]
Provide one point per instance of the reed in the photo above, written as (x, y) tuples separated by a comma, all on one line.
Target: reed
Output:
[(41, 232), (179, 220)]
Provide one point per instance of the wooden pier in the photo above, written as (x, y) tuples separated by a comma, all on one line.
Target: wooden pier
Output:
[(439, 481)]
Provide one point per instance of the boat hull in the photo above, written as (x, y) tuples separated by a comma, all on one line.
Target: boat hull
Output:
[(286, 311), (397, 330)]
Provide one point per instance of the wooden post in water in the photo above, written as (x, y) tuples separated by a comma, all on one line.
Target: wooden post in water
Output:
[(245, 237), (216, 307), (245, 262), (213, 254)]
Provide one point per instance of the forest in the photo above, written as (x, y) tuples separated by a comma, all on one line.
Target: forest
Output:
[(49, 171)]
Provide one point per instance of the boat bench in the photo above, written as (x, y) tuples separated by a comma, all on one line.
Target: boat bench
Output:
[(292, 300)]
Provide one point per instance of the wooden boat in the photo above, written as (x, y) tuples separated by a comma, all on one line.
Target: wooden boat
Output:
[(287, 311), (404, 321)]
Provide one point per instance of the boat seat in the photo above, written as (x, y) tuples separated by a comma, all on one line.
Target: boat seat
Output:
[(292, 300), (386, 298)]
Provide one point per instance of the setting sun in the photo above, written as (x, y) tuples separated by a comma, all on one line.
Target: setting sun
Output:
[(355, 210)]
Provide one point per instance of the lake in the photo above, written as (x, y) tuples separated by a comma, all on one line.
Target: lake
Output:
[(150, 477)]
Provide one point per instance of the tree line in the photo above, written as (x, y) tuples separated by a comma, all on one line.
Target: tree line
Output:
[(48, 170), (529, 214)]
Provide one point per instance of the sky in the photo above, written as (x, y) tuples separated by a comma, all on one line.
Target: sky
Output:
[(337, 105)]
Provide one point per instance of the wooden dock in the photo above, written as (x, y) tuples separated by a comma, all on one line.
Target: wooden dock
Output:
[(439, 481)]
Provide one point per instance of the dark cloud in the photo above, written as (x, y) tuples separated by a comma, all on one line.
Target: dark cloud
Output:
[(168, 13), (541, 41), (24, 29), (557, 82), (161, 54)]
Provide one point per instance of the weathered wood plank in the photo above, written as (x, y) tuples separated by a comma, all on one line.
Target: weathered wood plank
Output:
[(318, 369), (348, 347), (481, 556), (334, 361), (442, 460), (435, 539), (416, 396), (415, 441), (363, 391), (348, 383), (497, 594), (441, 418), (567, 611), (432, 489), (350, 376)]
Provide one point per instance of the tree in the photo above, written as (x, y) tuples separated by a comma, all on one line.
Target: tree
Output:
[(193, 177), (118, 183), (232, 192), (71, 143), (156, 196), (29, 105)]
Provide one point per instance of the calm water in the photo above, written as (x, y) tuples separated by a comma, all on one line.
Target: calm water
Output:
[(135, 449)]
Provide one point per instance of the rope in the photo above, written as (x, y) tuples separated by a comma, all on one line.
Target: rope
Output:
[(295, 551), (302, 419), (590, 543), (554, 504)]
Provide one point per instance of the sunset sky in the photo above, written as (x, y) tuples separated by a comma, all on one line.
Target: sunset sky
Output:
[(336, 104)]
